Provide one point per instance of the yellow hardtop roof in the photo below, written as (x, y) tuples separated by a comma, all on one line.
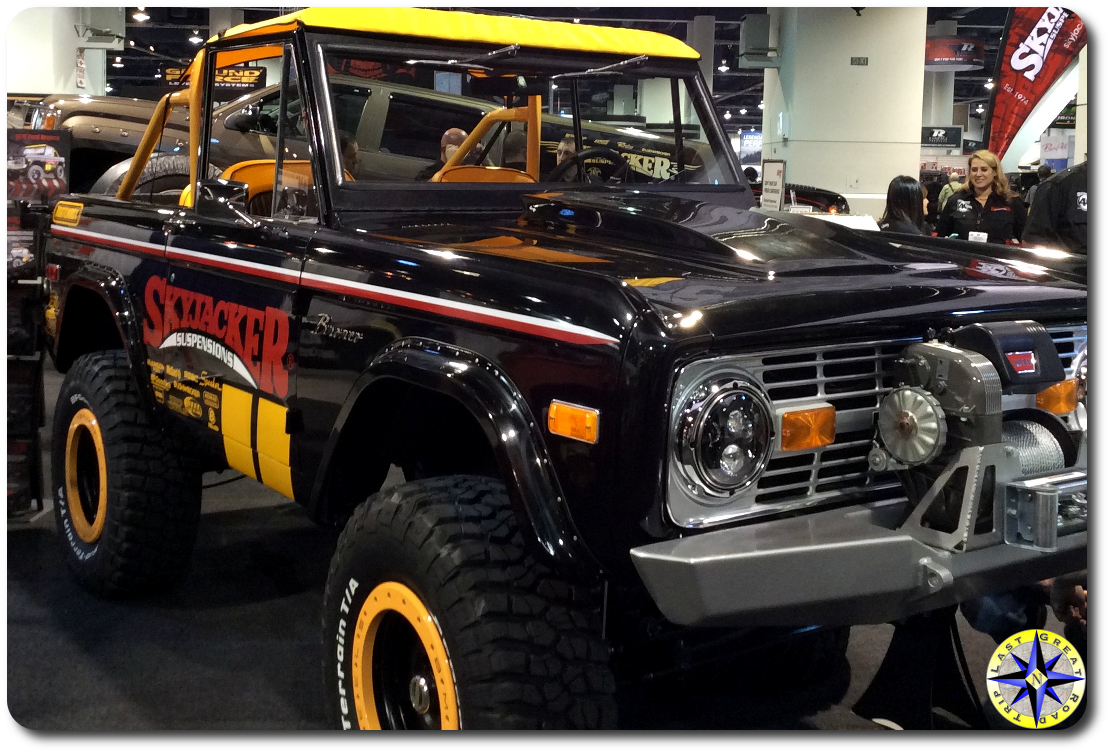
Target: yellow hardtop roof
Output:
[(461, 26)]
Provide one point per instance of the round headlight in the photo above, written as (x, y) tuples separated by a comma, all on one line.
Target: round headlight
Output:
[(725, 436)]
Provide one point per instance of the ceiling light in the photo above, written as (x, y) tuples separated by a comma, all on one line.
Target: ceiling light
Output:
[(980, 108), (760, 105), (554, 87), (723, 67), (118, 63), (989, 85), (157, 75), (577, 20), (140, 16), (743, 111), (108, 88), (195, 39), (728, 115), (131, 42), (753, 129)]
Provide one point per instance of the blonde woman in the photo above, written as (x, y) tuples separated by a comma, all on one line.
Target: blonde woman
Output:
[(984, 209)]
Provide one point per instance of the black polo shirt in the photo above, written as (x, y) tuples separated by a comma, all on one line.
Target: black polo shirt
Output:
[(1058, 216), (1001, 219)]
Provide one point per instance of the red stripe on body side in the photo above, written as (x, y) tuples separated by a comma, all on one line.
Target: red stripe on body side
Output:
[(533, 327), (112, 242)]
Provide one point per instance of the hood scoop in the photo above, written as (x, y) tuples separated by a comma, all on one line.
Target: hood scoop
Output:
[(663, 223)]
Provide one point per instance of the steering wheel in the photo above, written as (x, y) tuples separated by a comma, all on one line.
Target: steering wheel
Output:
[(562, 169)]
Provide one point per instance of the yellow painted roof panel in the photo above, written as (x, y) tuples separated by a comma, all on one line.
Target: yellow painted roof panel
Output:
[(461, 26)]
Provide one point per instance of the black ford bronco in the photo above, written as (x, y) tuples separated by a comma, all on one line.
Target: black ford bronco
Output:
[(631, 408)]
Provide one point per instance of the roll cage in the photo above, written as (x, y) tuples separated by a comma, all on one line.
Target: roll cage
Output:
[(309, 49)]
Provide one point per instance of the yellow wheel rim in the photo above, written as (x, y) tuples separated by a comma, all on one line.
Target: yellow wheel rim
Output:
[(84, 427), (387, 598)]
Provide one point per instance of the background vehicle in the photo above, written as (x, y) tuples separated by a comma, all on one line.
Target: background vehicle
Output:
[(817, 198), (634, 413)]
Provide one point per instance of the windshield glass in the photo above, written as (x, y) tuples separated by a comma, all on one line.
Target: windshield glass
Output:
[(403, 121)]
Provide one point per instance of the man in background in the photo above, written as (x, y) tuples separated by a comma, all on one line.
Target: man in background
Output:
[(953, 185), (1043, 173), (449, 142)]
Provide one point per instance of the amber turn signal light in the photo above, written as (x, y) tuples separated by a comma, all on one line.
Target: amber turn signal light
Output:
[(1060, 398), (572, 421), (806, 429)]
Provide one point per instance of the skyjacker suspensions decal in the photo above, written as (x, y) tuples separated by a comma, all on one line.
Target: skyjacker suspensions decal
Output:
[(1040, 44), (252, 342)]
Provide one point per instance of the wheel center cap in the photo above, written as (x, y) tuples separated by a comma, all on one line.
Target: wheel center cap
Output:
[(419, 696)]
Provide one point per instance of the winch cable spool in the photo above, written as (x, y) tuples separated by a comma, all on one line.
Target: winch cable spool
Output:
[(912, 425), (1037, 448)]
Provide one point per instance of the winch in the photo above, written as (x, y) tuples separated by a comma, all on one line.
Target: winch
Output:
[(973, 427)]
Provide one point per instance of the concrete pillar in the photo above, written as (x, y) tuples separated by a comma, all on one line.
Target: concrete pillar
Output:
[(654, 98), (1081, 110), (937, 98), (844, 127), (96, 71), (700, 34), (939, 85), (222, 19), (42, 51)]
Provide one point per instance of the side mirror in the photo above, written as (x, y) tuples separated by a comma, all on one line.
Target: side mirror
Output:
[(242, 121), (224, 198)]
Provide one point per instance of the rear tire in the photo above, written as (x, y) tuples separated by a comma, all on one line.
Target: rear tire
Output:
[(35, 173), (436, 616), (127, 499)]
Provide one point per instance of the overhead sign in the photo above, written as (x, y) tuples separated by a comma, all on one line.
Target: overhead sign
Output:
[(1040, 44), (973, 145), (944, 137), (751, 147), (238, 80), (953, 54), (774, 184), (1066, 118)]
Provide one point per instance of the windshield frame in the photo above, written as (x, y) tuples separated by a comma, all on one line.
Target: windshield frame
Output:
[(349, 195)]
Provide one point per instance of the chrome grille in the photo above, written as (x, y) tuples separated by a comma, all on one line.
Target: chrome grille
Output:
[(1069, 341), (853, 378)]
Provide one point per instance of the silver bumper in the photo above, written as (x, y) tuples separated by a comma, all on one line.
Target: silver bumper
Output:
[(840, 567)]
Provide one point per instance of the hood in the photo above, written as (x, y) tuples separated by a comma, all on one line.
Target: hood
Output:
[(125, 109), (749, 270)]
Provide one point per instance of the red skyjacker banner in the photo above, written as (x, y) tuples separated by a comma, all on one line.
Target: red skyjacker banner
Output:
[(1040, 44)]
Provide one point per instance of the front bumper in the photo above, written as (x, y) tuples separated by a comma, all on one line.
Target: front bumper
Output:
[(839, 567)]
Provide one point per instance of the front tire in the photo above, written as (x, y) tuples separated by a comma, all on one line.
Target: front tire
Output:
[(436, 616), (127, 499)]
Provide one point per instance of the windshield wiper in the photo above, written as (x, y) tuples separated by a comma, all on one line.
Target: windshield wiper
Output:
[(472, 63), (605, 69)]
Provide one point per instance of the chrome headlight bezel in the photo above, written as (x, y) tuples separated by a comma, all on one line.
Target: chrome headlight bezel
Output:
[(694, 409)]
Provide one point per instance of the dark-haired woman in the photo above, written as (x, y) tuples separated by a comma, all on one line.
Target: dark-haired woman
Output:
[(906, 205), (984, 209)]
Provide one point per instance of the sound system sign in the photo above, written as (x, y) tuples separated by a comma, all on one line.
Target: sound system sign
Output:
[(229, 81)]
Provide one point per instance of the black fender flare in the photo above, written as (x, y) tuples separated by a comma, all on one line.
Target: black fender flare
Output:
[(108, 284), (499, 408)]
